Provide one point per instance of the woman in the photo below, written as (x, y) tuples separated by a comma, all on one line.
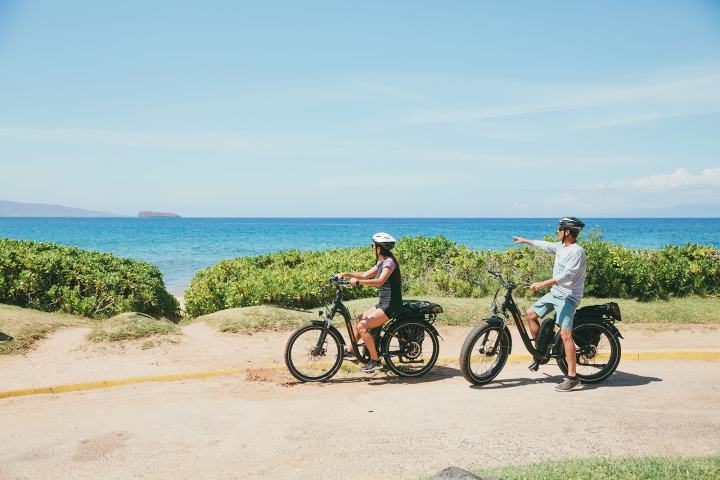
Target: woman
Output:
[(386, 275)]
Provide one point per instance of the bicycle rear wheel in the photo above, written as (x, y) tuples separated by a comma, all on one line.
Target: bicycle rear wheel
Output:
[(597, 353), (310, 360), (484, 353), (410, 348)]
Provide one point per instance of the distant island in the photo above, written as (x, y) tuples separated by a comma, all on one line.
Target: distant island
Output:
[(148, 214), (19, 209)]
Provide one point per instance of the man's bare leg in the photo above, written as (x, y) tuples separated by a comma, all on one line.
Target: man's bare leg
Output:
[(533, 323), (569, 347)]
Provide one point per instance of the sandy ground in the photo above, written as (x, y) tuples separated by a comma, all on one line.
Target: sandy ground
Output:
[(66, 357), (253, 425)]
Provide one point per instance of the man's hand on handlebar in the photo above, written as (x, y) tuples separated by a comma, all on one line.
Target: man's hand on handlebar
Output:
[(535, 286), (354, 282)]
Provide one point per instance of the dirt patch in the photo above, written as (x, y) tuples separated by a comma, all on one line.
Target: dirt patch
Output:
[(270, 375), (98, 447)]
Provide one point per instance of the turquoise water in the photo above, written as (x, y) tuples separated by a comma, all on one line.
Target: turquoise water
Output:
[(182, 246)]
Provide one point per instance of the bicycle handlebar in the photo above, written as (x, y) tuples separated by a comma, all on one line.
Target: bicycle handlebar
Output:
[(506, 284), (339, 282)]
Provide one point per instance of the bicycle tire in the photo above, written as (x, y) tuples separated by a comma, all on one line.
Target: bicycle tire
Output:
[(393, 332), (325, 374), (610, 366), (484, 329)]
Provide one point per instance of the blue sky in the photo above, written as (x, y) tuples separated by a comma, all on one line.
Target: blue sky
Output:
[(362, 109)]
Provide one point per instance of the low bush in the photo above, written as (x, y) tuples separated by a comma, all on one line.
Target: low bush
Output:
[(56, 278), (131, 326), (438, 266)]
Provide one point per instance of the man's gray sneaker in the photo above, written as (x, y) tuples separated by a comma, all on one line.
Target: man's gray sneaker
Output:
[(371, 366), (567, 385)]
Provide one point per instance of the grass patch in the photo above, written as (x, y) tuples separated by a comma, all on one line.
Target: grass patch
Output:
[(612, 469), (131, 325), (464, 312), (254, 319), (20, 327), (468, 311)]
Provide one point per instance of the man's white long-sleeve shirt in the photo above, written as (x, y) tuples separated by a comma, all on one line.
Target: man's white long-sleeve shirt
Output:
[(568, 270)]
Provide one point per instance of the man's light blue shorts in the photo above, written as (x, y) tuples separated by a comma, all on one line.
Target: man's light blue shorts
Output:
[(565, 309)]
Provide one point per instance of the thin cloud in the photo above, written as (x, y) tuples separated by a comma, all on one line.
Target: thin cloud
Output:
[(297, 148), (131, 139), (674, 94), (680, 178), (652, 194)]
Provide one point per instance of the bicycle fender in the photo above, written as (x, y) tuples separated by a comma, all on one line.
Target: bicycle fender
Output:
[(609, 325), (495, 321), (499, 322), (430, 326), (321, 323)]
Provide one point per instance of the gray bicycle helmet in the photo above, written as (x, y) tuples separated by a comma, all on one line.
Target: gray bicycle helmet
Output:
[(384, 240), (571, 223)]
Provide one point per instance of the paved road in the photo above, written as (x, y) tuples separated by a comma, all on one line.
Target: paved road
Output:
[(239, 427)]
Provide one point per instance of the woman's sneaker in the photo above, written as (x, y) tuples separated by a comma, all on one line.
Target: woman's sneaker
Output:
[(371, 366), (567, 384)]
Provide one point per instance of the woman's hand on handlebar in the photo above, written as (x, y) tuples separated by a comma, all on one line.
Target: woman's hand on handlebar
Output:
[(354, 282)]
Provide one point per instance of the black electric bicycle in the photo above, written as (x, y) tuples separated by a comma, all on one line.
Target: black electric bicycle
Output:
[(488, 346), (407, 344)]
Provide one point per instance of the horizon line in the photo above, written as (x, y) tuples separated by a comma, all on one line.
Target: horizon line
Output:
[(130, 217)]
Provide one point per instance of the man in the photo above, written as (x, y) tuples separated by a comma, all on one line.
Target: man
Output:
[(568, 285)]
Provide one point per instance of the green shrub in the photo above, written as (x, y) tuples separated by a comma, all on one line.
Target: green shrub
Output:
[(56, 278), (130, 326), (437, 266)]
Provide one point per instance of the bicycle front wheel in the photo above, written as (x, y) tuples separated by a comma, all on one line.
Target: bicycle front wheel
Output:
[(311, 360), (484, 353)]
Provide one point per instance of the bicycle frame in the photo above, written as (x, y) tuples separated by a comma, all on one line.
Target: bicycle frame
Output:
[(509, 304), (339, 307)]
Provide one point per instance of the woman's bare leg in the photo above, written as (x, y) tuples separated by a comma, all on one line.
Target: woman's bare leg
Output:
[(356, 332), (374, 319)]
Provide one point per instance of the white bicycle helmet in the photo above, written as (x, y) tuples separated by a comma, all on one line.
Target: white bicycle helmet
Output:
[(384, 240)]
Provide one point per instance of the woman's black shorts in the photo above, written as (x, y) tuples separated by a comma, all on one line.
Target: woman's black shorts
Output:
[(390, 311)]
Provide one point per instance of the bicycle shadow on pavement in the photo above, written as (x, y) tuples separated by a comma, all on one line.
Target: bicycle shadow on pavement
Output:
[(386, 378), (617, 379), (623, 379)]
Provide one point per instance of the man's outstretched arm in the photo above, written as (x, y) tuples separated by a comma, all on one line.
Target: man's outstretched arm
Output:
[(548, 247)]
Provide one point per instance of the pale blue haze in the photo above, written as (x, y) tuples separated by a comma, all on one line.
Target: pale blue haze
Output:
[(362, 109), (181, 247)]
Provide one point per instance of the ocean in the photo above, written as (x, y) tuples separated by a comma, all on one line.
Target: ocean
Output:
[(182, 246)]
